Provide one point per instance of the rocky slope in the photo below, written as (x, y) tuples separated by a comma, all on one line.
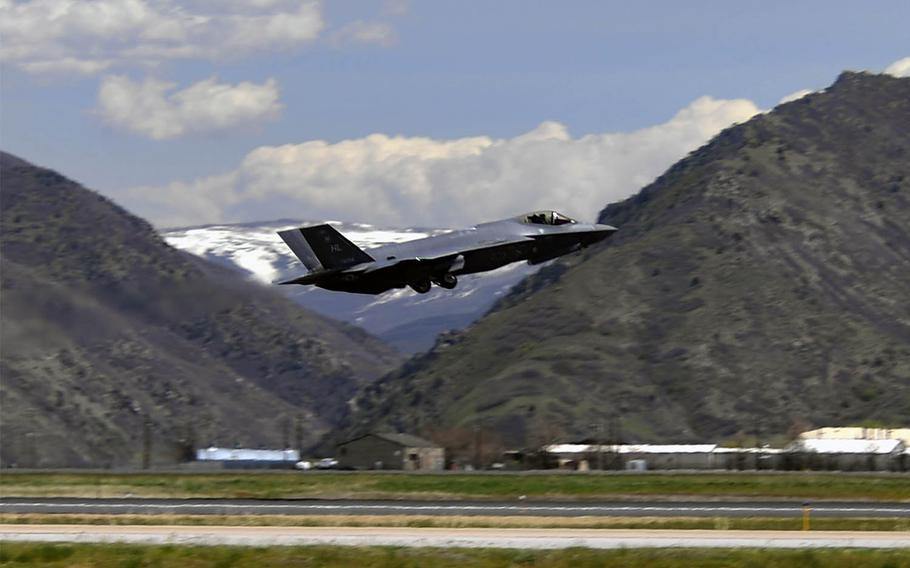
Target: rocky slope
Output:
[(407, 320), (104, 326), (762, 283)]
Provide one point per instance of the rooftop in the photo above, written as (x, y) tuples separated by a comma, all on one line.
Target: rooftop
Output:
[(244, 454), (632, 448), (849, 446), (406, 440)]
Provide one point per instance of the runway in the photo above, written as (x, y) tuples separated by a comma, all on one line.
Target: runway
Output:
[(650, 508), (438, 537)]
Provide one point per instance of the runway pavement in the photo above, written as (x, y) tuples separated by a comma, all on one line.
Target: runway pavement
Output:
[(438, 537), (644, 508)]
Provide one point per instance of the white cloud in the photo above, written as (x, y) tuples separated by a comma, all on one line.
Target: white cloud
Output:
[(154, 109), (395, 8), (403, 181), (900, 68), (795, 96), (91, 35), (362, 32), (67, 66)]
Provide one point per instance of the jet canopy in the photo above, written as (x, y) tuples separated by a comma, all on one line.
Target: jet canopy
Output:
[(546, 218)]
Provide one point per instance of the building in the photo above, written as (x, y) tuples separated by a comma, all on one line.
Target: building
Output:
[(242, 458), (391, 451), (859, 433), (645, 456), (848, 454), (749, 458), (638, 457)]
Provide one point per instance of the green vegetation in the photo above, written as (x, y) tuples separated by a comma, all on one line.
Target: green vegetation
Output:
[(102, 556), (278, 485), (753, 288), (427, 521), (108, 332)]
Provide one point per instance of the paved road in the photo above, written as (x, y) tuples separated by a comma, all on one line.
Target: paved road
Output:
[(449, 508), (406, 536)]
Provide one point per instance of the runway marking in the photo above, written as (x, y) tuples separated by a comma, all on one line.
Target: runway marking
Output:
[(496, 538), (443, 508)]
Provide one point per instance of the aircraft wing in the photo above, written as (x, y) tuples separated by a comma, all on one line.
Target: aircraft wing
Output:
[(439, 255)]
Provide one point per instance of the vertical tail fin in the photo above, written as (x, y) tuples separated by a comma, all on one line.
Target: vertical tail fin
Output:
[(321, 247)]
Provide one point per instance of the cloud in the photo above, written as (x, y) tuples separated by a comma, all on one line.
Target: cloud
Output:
[(900, 68), (67, 66), (403, 181), (395, 7), (155, 110), (91, 35), (795, 96), (362, 32)]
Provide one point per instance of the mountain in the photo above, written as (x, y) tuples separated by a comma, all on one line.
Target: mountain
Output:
[(409, 321), (761, 284), (106, 327)]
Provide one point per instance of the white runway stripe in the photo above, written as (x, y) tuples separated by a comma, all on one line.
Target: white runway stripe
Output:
[(455, 508)]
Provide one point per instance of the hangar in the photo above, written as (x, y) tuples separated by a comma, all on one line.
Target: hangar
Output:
[(391, 451)]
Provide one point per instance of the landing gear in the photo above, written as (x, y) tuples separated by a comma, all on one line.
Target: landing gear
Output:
[(421, 286), (447, 281)]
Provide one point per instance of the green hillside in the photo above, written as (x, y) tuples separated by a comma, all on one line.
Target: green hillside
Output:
[(760, 285), (105, 326)]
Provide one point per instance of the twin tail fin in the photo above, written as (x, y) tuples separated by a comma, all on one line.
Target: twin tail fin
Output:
[(322, 247)]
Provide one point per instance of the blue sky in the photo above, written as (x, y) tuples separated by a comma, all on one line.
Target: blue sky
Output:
[(458, 84)]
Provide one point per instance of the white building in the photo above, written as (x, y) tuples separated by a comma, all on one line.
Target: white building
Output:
[(859, 433), (850, 454), (662, 456), (242, 458)]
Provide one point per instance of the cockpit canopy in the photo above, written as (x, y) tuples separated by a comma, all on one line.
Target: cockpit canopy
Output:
[(546, 218)]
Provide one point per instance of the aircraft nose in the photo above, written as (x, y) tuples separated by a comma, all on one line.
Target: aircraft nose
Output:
[(605, 228), (600, 232)]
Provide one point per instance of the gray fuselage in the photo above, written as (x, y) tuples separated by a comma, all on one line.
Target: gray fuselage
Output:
[(535, 237)]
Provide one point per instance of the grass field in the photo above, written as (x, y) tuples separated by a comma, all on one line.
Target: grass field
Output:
[(167, 556), (717, 523), (276, 485)]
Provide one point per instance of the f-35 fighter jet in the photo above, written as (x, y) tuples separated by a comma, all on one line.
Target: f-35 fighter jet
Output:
[(335, 263)]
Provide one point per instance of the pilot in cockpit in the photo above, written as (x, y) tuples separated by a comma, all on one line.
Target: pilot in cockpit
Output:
[(548, 218)]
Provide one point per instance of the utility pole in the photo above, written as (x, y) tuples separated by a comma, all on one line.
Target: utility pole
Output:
[(285, 433), (189, 442), (477, 441), (146, 442), (616, 441), (298, 434)]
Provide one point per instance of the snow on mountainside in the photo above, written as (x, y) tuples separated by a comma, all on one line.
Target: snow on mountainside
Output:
[(405, 319)]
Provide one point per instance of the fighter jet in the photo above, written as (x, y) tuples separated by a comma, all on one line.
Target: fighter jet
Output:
[(335, 263)]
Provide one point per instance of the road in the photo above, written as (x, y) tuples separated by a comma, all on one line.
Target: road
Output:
[(436, 537), (649, 508)]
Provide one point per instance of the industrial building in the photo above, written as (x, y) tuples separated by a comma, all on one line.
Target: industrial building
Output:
[(242, 458), (848, 454), (858, 433), (809, 453), (391, 451), (661, 456)]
